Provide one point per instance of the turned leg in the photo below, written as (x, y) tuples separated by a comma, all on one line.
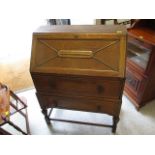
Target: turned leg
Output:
[(44, 111), (115, 121), (47, 115)]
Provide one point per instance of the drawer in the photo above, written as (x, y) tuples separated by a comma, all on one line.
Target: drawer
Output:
[(80, 104), (79, 86)]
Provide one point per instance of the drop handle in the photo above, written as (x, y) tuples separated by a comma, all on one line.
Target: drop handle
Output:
[(100, 89)]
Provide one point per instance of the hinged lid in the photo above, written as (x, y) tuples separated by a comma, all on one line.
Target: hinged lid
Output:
[(94, 50)]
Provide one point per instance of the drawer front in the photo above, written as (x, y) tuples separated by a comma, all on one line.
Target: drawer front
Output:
[(109, 107), (79, 86)]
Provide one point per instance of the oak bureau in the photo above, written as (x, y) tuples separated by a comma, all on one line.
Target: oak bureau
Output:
[(79, 68)]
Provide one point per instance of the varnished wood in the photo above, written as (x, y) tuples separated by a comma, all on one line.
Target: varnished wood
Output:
[(80, 122), (75, 54), (84, 30), (89, 73), (80, 103), (77, 85), (115, 121), (102, 40), (141, 88)]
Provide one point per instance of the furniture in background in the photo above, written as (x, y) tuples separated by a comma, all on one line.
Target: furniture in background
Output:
[(17, 106), (58, 21), (126, 22), (140, 70), (105, 21), (79, 68)]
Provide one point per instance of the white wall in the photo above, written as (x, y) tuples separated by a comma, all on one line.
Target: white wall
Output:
[(16, 36), (82, 21)]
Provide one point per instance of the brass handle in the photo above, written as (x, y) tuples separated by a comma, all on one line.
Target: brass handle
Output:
[(100, 89), (75, 54), (141, 37)]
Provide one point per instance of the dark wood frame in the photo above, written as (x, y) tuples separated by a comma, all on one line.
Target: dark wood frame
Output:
[(49, 80), (48, 119), (142, 31)]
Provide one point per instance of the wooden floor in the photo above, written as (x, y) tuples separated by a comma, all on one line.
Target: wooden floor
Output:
[(14, 72)]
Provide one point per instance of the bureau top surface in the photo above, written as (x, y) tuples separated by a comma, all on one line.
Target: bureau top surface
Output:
[(93, 50), (78, 29)]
